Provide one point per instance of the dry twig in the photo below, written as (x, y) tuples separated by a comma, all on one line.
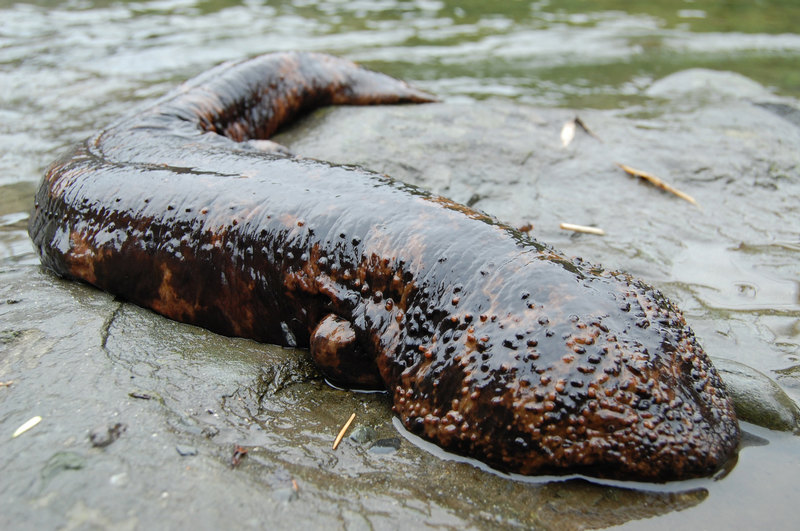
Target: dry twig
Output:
[(580, 123), (569, 128)]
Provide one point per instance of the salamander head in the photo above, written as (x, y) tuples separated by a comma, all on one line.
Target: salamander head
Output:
[(600, 376)]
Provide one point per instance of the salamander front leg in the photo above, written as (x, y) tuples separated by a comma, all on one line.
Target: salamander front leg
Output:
[(336, 352)]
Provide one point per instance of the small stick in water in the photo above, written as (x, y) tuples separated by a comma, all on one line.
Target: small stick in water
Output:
[(652, 179)]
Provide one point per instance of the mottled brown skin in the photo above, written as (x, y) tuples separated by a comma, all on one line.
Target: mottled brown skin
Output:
[(493, 345), (335, 349)]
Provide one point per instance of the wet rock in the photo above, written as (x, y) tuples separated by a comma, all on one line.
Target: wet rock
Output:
[(386, 446), (185, 450), (363, 435), (788, 112), (707, 84), (757, 398), (102, 436), (275, 378)]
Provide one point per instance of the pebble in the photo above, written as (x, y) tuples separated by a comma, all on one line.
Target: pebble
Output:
[(363, 435), (185, 451), (102, 436), (386, 446)]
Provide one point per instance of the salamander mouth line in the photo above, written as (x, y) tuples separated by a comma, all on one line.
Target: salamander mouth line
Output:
[(491, 344)]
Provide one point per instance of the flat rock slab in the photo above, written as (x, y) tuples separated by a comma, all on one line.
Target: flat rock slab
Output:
[(220, 430)]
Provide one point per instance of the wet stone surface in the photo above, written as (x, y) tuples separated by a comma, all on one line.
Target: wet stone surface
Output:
[(759, 399), (219, 428)]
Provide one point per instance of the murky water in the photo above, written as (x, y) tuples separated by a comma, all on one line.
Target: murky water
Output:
[(67, 68)]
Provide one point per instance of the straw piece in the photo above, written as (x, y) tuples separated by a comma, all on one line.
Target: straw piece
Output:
[(583, 228), (652, 179), (568, 133), (342, 431), (27, 425)]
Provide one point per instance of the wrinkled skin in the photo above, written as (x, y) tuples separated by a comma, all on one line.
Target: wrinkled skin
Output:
[(492, 344)]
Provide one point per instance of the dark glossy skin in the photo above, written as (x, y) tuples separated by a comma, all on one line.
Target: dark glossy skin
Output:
[(492, 344)]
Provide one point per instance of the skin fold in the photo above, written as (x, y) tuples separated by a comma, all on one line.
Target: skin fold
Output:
[(492, 344)]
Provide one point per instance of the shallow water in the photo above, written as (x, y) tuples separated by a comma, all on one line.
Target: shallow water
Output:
[(68, 68)]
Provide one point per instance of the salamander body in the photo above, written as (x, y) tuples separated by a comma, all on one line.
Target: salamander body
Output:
[(493, 345)]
